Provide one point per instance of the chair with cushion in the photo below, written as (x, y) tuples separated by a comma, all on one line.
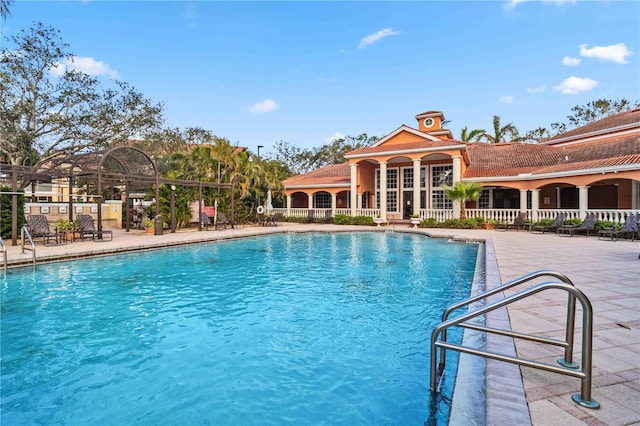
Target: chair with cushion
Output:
[(277, 218), (558, 221), (221, 221), (205, 221), (517, 224), (327, 217), (630, 227), (311, 216), (87, 228), (586, 227), (38, 227)]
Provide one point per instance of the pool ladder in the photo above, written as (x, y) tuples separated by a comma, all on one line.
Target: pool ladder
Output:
[(567, 366), (26, 236), (4, 254)]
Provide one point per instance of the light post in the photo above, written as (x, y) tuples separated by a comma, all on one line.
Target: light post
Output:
[(173, 213), (259, 146)]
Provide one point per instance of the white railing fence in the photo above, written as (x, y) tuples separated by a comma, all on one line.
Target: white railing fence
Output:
[(499, 215)]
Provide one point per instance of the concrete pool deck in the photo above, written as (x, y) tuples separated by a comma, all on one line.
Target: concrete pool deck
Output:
[(607, 272)]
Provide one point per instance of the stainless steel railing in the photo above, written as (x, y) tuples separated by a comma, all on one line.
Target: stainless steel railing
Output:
[(4, 254), (567, 366), (24, 237)]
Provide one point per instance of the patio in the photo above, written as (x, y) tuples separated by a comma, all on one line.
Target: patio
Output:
[(607, 272)]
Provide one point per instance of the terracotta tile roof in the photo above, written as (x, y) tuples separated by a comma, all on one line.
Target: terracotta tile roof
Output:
[(512, 159), (611, 122), (418, 144), (332, 174)]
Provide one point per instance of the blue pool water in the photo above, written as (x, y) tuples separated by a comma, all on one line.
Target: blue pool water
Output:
[(283, 329)]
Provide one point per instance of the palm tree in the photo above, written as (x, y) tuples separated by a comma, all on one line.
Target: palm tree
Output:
[(471, 136), (501, 133), (4, 8), (463, 192)]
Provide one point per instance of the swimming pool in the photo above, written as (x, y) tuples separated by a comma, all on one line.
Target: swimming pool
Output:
[(301, 329)]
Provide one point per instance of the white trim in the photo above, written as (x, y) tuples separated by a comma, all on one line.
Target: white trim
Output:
[(405, 128), (405, 151), (318, 185)]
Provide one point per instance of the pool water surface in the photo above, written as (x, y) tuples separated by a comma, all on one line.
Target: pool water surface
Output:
[(282, 329)]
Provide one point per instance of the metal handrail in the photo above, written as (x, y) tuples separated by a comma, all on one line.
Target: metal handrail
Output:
[(25, 233), (584, 398), (567, 361), (4, 254)]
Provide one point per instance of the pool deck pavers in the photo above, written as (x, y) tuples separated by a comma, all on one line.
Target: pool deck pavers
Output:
[(607, 272)]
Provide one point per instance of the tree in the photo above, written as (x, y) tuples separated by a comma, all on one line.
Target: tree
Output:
[(45, 113), (505, 133), (471, 136), (536, 135), (300, 160), (463, 192), (594, 111), (4, 8)]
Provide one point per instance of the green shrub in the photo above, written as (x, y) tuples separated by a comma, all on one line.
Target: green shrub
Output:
[(343, 219), (544, 222), (573, 222), (429, 222), (5, 212)]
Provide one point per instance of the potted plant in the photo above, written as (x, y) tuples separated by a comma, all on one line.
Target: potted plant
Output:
[(148, 226), (415, 220), (489, 224), (69, 227)]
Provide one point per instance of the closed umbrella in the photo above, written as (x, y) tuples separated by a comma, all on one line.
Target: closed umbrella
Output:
[(269, 206)]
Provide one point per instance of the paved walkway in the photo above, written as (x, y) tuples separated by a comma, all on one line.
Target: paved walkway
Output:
[(607, 272)]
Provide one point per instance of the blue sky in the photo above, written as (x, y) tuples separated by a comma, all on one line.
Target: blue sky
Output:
[(305, 72)]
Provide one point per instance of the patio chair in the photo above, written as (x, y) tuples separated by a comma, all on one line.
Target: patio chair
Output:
[(558, 221), (630, 226), (311, 216), (221, 221), (517, 224), (586, 227), (86, 228), (205, 221), (327, 217), (38, 227), (277, 218)]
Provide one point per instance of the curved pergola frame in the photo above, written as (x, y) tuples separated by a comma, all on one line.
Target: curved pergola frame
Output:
[(122, 166)]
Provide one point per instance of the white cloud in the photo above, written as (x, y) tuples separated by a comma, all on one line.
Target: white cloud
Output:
[(538, 89), (86, 65), (376, 37), (336, 135), (574, 85), (512, 4), (506, 99), (571, 62), (615, 53), (265, 106)]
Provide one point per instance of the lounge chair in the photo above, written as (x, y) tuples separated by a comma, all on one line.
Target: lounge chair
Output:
[(327, 217), (205, 221), (277, 218), (38, 227), (558, 221), (221, 221), (587, 226), (630, 226), (311, 216), (517, 224), (86, 227)]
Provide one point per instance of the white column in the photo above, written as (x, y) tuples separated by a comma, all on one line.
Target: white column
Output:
[(416, 186), (310, 203), (457, 170), (288, 205), (583, 200), (354, 187), (523, 200), (334, 202), (383, 190), (535, 204), (359, 200)]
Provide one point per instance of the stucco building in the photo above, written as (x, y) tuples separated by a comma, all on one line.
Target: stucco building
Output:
[(592, 168)]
